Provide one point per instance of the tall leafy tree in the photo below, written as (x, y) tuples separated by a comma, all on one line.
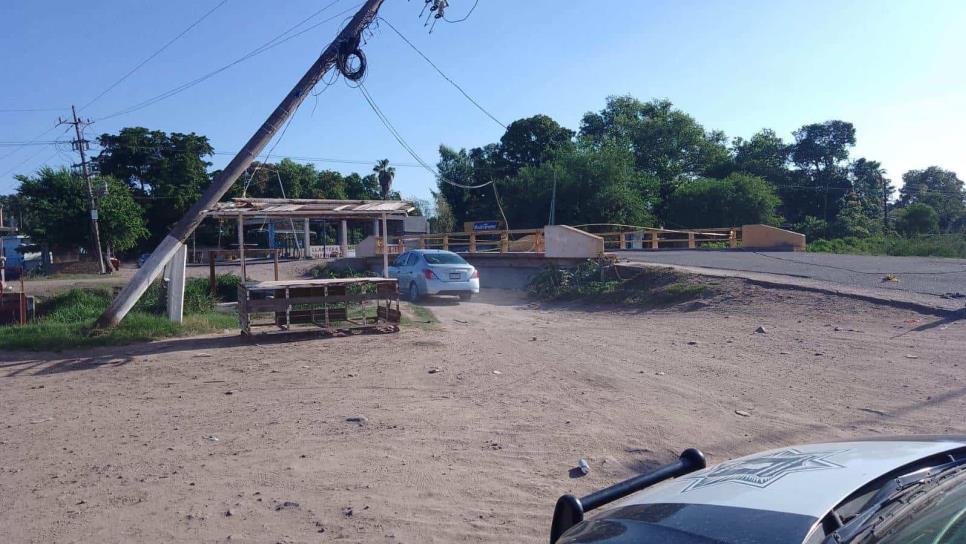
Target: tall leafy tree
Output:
[(739, 199), (821, 153), (764, 155), (666, 142), (169, 171), (531, 142), (55, 206), (942, 190), (872, 189)]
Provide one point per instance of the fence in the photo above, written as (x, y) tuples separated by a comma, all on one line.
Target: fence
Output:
[(648, 238), (497, 241)]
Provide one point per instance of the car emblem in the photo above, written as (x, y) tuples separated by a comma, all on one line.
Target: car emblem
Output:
[(765, 470)]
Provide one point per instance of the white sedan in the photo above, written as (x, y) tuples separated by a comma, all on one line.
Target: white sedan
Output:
[(424, 272)]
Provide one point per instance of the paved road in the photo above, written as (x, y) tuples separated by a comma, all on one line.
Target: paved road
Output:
[(924, 275)]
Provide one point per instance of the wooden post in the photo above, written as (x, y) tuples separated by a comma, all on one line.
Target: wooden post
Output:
[(275, 259), (472, 242), (691, 239), (176, 279), (653, 239), (732, 239), (538, 242), (241, 246), (445, 242), (623, 240), (504, 242), (212, 279), (385, 247), (422, 241), (307, 237), (230, 173), (344, 239)]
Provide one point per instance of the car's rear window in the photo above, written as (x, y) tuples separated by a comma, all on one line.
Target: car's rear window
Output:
[(443, 258)]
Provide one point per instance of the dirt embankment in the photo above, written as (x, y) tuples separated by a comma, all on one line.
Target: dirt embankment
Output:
[(199, 440)]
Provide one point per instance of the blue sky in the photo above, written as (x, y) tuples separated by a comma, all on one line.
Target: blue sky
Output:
[(894, 69)]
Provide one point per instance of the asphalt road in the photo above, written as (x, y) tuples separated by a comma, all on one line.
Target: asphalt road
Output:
[(924, 275)]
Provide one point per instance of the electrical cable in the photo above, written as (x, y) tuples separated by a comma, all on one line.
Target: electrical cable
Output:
[(274, 42), (153, 55), (465, 17), (399, 138), (29, 110), (444, 76)]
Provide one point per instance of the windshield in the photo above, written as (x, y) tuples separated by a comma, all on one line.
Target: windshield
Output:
[(443, 258), (943, 521)]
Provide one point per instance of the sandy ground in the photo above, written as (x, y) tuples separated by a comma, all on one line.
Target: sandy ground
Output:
[(212, 439)]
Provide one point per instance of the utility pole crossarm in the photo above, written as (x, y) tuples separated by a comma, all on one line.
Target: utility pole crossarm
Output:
[(173, 241)]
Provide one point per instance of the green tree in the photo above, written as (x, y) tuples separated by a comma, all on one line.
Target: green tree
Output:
[(667, 143), (821, 153), (329, 185), (739, 199), (531, 142), (169, 170), (764, 155), (872, 189), (362, 188), (55, 205), (122, 221), (916, 219), (941, 189), (385, 174), (854, 219), (442, 219)]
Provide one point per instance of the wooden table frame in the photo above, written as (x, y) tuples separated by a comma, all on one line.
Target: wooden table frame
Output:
[(329, 304)]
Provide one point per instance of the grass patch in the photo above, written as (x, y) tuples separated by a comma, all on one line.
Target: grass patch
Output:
[(951, 246), (422, 317), (593, 282), (65, 321), (325, 271)]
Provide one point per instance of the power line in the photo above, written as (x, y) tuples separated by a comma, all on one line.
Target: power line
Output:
[(32, 156), (153, 55), (447, 78), (274, 42), (465, 17), (28, 110), (402, 141)]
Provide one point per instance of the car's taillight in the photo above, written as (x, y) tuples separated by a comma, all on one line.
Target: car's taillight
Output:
[(475, 275), (428, 274)]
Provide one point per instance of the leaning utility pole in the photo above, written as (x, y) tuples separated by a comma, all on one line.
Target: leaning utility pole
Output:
[(81, 146), (345, 45)]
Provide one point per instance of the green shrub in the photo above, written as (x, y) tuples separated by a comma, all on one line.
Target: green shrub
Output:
[(953, 246), (590, 280)]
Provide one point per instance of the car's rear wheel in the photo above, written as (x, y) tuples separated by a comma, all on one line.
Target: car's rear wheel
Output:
[(413, 292), (466, 296)]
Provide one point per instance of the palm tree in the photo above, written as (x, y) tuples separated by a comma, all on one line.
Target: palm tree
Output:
[(386, 174)]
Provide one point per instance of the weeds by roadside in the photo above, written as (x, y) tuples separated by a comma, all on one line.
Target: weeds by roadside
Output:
[(65, 321), (953, 246), (593, 281)]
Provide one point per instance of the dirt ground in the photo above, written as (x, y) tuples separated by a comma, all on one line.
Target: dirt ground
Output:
[(212, 439)]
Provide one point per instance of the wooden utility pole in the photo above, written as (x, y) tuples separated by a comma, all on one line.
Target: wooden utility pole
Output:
[(82, 145), (176, 238)]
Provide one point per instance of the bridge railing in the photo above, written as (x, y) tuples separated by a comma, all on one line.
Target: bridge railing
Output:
[(497, 241), (651, 238)]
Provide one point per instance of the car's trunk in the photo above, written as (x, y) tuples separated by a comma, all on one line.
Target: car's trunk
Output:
[(452, 272)]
